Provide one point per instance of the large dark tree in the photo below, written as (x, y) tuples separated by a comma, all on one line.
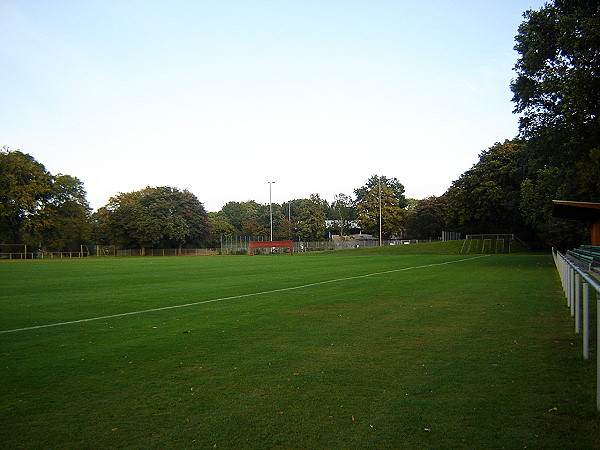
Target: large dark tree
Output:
[(396, 188), (239, 212), (310, 221), (63, 221), (557, 92), (254, 219), (220, 226), (486, 198), (154, 216), (536, 204), (342, 212), (40, 209), (558, 73), (385, 195), (25, 185), (427, 219), (196, 226), (250, 217)]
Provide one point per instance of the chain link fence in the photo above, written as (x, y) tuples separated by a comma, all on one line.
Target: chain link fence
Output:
[(240, 245)]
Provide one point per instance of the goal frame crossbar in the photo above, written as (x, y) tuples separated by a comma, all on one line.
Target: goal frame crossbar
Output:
[(271, 244)]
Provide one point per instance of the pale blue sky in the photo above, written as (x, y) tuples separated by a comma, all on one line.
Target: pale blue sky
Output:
[(220, 97)]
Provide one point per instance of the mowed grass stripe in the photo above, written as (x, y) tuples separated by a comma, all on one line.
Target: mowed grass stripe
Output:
[(275, 271), (236, 297), (474, 355)]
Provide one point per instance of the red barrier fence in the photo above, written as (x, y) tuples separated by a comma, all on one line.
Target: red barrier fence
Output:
[(271, 244)]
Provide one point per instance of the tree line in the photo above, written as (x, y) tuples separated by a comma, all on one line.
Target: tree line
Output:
[(50, 212), (313, 218), (509, 190), (556, 155)]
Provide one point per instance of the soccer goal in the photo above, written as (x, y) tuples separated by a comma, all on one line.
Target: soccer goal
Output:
[(271, 244), (15, 251)]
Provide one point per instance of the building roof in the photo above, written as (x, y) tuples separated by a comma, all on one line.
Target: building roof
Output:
[(587, 211)]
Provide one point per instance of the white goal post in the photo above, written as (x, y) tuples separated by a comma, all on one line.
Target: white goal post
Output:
[(14, 251)]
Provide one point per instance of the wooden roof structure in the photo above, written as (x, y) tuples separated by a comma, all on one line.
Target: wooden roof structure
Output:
[(584, 211)]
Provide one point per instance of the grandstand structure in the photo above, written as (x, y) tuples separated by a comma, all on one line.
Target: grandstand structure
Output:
[(580, 276), (585, 256), (584, 211), (588, 254)]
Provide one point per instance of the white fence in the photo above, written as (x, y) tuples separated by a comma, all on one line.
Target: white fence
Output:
[(490, 236), (42, 255), (22, 251), (579, 286), (103, 251), (230, 245), (164, 252), (451, 236)]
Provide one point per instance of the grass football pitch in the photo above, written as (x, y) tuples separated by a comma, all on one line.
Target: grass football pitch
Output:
[(367, 348)]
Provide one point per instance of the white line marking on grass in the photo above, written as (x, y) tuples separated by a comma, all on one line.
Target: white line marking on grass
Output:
[(303, 286)]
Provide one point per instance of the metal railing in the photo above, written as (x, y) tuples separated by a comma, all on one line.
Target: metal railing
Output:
[(164, 252), (578, 286), (490, 236), (99, 251), (43, 255)]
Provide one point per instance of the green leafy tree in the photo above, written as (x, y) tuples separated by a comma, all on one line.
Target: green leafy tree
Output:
[(221, 227), (342, 211), (556, 92), (289, 212), (310, 221), (285, 231), (130, 224), (194, 227), (536, 204), (384, 195), (155, 216), (381, 202), (25, 185), (487, 197), (280, 222), (237, 213), (63, 221), (40, 209), (427, 218), (253, 227), (397, 189), (101, 232), (411, 203), (251, 217), (558, 84), (254, 219)]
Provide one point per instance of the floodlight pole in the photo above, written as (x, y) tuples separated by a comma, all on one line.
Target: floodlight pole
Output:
[(290, 218), (271, 207), (380, 240)]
